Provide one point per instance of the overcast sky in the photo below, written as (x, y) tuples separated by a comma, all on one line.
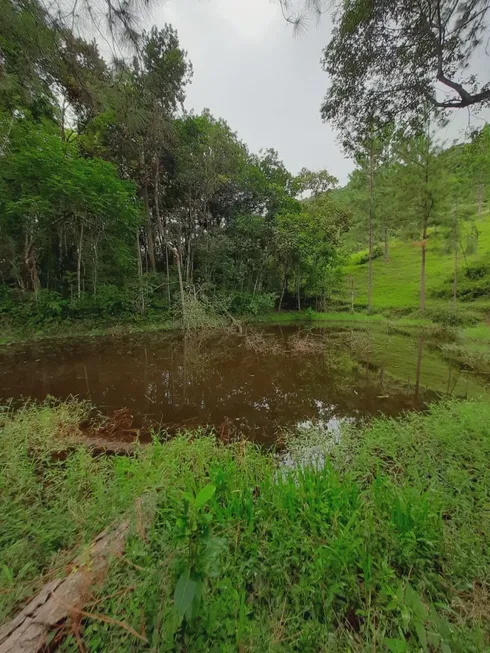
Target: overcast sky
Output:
[(249, 70), (267, 84)]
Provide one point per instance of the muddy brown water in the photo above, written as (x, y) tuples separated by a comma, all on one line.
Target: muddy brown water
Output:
[(257, 383)]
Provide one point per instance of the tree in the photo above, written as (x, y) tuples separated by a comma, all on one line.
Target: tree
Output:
[(55, 202), (307, 244), (208, 161), (315, 182), (370, 149), (389, 58), (421, 192), (478, 163)]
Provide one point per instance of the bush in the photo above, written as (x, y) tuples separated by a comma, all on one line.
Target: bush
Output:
[(48, 308), (31, 310), (465, 293), (245, 303), (109, 301), (364, 256), (449, 318), (476, 271)]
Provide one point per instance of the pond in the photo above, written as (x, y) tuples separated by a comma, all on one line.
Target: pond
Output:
[(259, 382)]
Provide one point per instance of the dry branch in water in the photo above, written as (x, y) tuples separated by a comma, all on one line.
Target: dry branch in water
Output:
[(307, 343), (259, 343)]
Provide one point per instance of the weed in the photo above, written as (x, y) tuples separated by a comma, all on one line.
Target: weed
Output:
[(383, 545), (193, 528)]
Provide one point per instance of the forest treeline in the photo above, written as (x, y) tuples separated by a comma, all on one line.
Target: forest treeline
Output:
[(116, 201)]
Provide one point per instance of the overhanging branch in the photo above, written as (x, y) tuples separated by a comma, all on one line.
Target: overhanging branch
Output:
[(467, 99)]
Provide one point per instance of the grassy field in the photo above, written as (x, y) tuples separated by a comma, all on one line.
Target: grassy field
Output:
[(396, 282), (383, 546)]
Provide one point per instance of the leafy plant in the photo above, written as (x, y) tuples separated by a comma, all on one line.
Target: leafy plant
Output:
[(203, 551)]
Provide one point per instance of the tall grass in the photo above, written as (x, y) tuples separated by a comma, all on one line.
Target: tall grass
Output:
[(383, 547)]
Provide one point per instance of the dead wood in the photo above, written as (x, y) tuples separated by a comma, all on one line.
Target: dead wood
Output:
[(62, 599)]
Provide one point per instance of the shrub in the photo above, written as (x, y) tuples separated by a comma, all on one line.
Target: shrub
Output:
[(246, 303), (476, 271), (31, 310), (449, 318), (364, 256)]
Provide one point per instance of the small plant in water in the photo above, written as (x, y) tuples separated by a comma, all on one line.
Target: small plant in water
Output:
[(203, 552), (309, 313)]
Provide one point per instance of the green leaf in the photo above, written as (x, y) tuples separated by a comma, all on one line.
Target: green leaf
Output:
[(204, 495), (184, 594), (196, 601), (215, 546), (396, 645), (421, 634)]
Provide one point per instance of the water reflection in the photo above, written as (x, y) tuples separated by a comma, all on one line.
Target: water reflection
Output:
[(219, 380)]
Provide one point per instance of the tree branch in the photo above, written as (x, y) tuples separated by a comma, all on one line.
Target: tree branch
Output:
[(467, 99)]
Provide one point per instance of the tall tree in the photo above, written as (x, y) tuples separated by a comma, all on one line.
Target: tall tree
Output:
[(421, 192), (389, 58), (370, 149)]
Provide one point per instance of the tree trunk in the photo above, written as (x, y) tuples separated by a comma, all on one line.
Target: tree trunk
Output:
[(188, 261), (419, 365), (149, 232), (181, 282), (31, 264), (62, 122), (256, 284), (188, 240), (422, 266), (283, 289), (79, 262), (140, 269), (63, 599), (149, 227), (370, 227), (455, 279), (162, 226), (298, 291), (96, 265)]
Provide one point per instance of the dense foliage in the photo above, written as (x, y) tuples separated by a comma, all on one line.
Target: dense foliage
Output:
[(114, 201)]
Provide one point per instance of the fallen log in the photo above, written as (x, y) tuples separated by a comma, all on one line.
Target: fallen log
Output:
[(63, 598)]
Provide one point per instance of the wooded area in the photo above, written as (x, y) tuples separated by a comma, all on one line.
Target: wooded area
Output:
[(117, 201)]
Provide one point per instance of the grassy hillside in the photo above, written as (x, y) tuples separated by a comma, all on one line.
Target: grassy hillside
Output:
[(396, 282)]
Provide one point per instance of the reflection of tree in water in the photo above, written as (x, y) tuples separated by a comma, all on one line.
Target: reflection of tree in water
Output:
[(420, 349), (215, 378)]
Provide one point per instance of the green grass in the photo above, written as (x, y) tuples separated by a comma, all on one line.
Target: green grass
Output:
[(396, 282), (315, 316), (85, 328), (383, 547)]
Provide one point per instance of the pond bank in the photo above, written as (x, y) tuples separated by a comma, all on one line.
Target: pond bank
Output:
[(15, 334), (376, 548)]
